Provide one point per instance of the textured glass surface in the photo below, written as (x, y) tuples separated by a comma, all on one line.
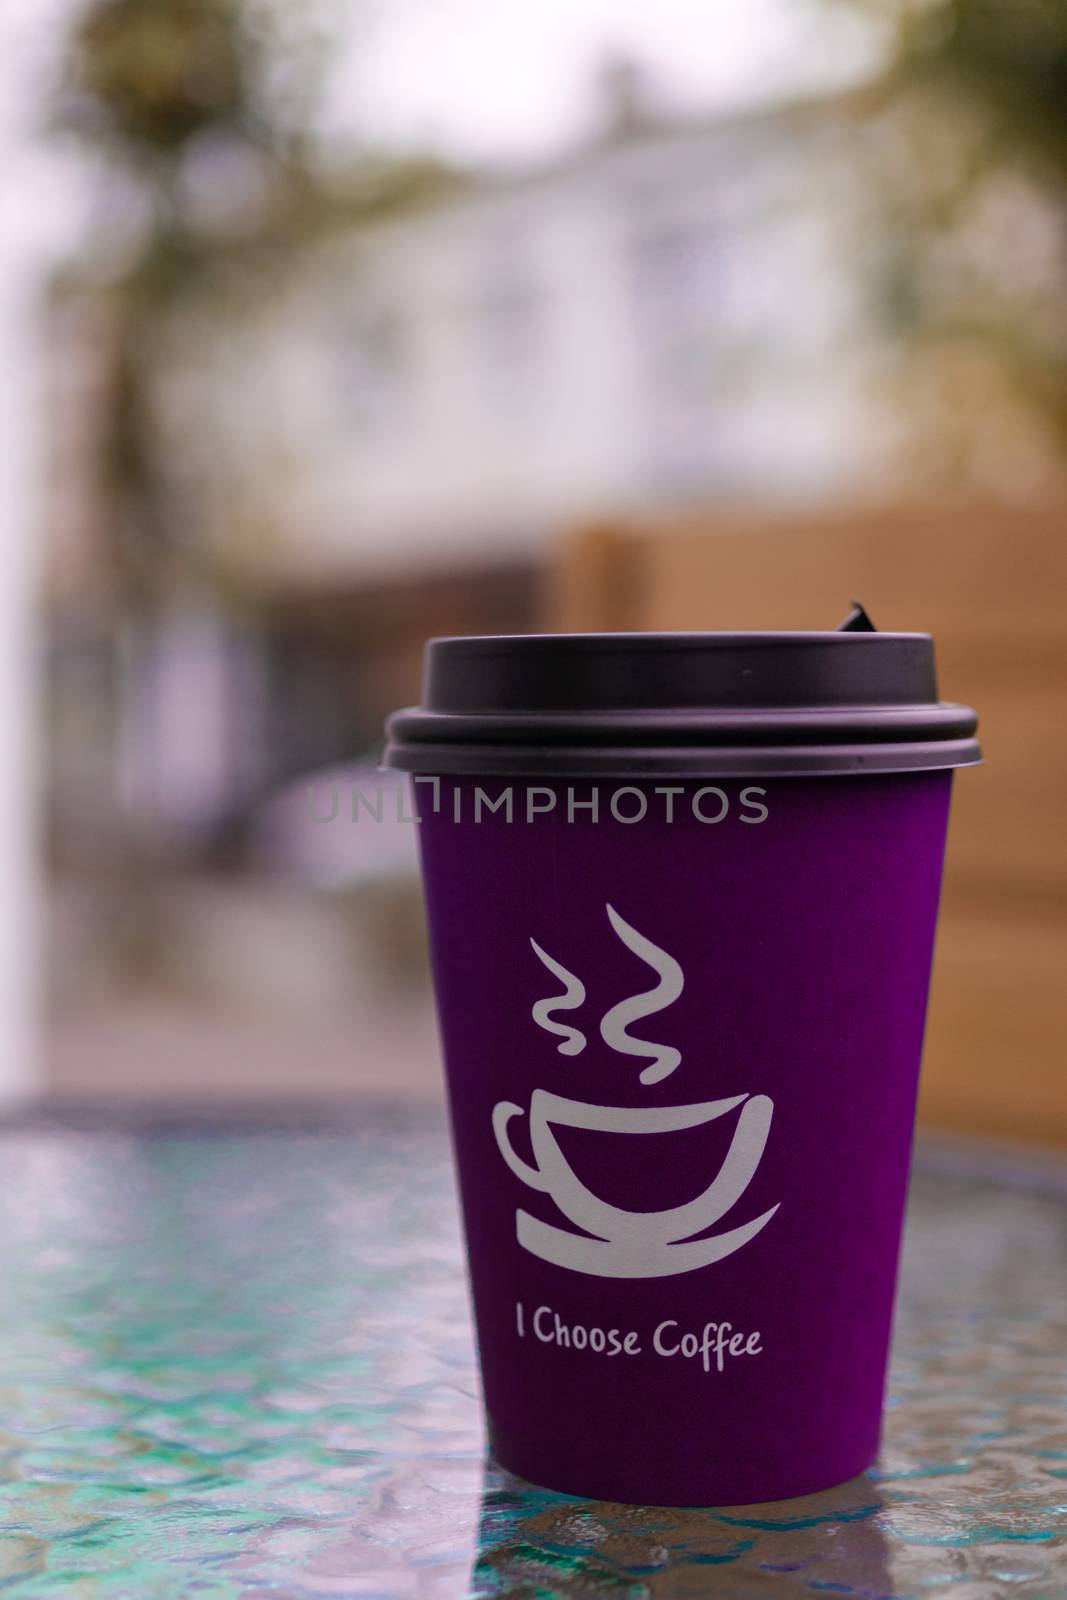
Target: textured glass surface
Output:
[(239, 1364)]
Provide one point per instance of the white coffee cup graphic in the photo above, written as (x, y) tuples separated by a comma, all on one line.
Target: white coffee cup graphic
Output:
[(619, 1243)]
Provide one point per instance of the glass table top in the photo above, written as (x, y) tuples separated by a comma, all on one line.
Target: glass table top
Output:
[(237, 1363)]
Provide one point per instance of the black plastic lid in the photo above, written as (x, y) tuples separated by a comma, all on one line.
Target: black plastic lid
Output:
[(651, 704)]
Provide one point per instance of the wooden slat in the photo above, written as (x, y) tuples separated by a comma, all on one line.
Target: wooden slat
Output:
[(996, 1043), (990, 582)]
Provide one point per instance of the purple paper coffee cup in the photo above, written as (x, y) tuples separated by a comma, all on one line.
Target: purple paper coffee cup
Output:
[(682, 925)]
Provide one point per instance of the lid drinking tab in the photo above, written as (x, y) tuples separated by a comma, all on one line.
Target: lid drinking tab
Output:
[(857, 620)]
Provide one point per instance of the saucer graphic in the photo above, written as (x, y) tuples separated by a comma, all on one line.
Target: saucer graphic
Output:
[(617, 1243)]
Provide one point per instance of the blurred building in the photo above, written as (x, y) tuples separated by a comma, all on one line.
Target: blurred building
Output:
[(385, 440), (651, 320)]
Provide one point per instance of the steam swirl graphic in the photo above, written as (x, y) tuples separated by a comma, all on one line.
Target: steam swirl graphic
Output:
[(613, 1028), (605, 1240), (573, 995)]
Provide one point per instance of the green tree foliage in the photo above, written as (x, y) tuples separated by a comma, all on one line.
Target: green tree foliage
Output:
[(965, 139), (201, 116), (147, 75)]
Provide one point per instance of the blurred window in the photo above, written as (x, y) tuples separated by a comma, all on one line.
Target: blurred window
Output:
[(679, 311), (510, 321), (676, 280), (373, 353)]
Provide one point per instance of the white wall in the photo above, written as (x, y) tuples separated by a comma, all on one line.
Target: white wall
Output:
[(663, 320)]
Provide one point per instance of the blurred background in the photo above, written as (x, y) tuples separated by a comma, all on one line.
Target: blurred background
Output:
[(328, 327)]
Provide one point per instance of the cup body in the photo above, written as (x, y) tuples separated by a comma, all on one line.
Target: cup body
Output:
[(682, 1047)]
